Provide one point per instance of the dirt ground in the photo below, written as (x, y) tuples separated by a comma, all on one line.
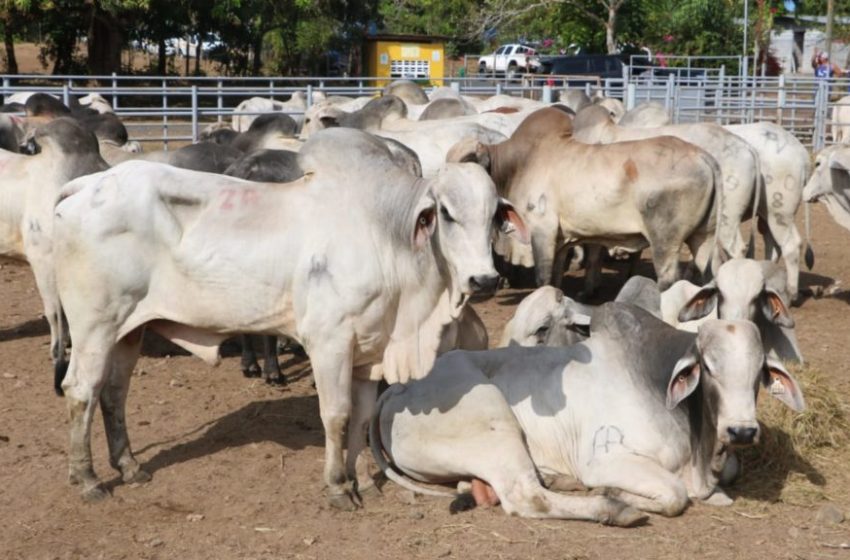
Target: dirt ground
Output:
[(237, 465)]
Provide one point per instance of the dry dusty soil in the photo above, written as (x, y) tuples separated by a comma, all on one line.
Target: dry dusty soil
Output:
[(237, 465)]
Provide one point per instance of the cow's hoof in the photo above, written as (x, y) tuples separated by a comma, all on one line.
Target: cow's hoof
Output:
[(463, 502), (368, 490), (344, 502), (252, 371), (276, 379), (798, 299), (138, 477), (626, 516), (95, 494), (718, 499)]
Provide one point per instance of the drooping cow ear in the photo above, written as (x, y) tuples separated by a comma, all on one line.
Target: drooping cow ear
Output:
[(700, 305), (781, 385), (684, 380), (469, 150), (426, 221), (840, 159), (510, 223), (774, 309)]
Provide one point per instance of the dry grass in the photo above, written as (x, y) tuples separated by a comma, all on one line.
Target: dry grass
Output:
[(789, 463)]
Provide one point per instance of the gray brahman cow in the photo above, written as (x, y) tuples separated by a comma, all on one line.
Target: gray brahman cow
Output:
[(361, 258), (639, 407), (29, 189)]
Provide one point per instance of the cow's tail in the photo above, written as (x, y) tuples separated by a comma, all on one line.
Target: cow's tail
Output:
[(60, 364), (381, 459), (759, 185), (809, 256)]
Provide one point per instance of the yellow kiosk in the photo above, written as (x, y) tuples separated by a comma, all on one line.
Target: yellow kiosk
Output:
[(420, 58)]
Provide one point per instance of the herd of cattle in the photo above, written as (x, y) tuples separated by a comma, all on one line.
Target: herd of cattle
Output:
[(359, 229)]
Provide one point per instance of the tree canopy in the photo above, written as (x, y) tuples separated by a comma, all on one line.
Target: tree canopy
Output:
[(311, 36)]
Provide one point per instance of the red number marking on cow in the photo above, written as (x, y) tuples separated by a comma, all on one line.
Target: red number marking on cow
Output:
[(250, 197), (228, 196)]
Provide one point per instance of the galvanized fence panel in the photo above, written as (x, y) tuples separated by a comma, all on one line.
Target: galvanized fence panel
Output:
[(166, 110)]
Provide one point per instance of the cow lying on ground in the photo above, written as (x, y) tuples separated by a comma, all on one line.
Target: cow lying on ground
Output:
[(639, 407), (360, 256)]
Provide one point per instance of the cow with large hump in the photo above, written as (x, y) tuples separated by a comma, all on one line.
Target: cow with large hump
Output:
[(29, 189), (738, 162), (639, 407), (658, 192), (360, 255)]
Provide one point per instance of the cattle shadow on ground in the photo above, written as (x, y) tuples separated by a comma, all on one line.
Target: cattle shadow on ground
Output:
[(770, 466), (291, 422), (810, 279), (27, 329)]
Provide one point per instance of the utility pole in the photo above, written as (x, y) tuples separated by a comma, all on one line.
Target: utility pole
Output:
[(746, 28), (830, 15)]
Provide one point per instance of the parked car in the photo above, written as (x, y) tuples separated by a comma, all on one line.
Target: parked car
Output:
[(510, 60)]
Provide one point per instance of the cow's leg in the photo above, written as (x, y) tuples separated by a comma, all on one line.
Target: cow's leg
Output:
[(665, 259), (788, 238), (771, 249), (271, 365), (644, 483), (592, 270), (113, 398), (702, 247), (332, 372), (364, 395), (250, 367), (45, 281), (543, 245), (89, 368)]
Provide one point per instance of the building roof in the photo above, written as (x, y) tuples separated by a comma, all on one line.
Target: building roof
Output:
[(403, 38)]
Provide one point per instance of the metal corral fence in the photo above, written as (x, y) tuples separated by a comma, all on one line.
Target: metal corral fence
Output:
[(174, 109)]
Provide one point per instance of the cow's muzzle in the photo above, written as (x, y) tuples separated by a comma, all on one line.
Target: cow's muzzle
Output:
[(483, 284), (742, 435)]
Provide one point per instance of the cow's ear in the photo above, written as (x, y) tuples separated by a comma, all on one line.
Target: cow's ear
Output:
[(781, 385), (510, 223), (329, 121), (684, 380), (426, 221), (774, 309), (700, 305), (470, 150), (840, 159)]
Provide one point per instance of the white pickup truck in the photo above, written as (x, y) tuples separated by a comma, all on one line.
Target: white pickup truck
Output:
[(509, 60)]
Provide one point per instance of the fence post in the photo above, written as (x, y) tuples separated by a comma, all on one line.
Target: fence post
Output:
[(309, 95), (668, 95), (631, 93), (195, 115), (7, 84), (456, 85), (547, 94), (498, 88), (780, 99), (271, 90), (220, 102), (114, 91), (66, 95), (719, 94), (165, 115)]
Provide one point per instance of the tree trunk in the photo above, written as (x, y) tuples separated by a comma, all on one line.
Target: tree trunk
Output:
[(160, 62), (258, 59), (104, 43), (9, 41), (609, 30)]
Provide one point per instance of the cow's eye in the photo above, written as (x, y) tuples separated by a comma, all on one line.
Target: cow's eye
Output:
[(542, 331), (445, 214)]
